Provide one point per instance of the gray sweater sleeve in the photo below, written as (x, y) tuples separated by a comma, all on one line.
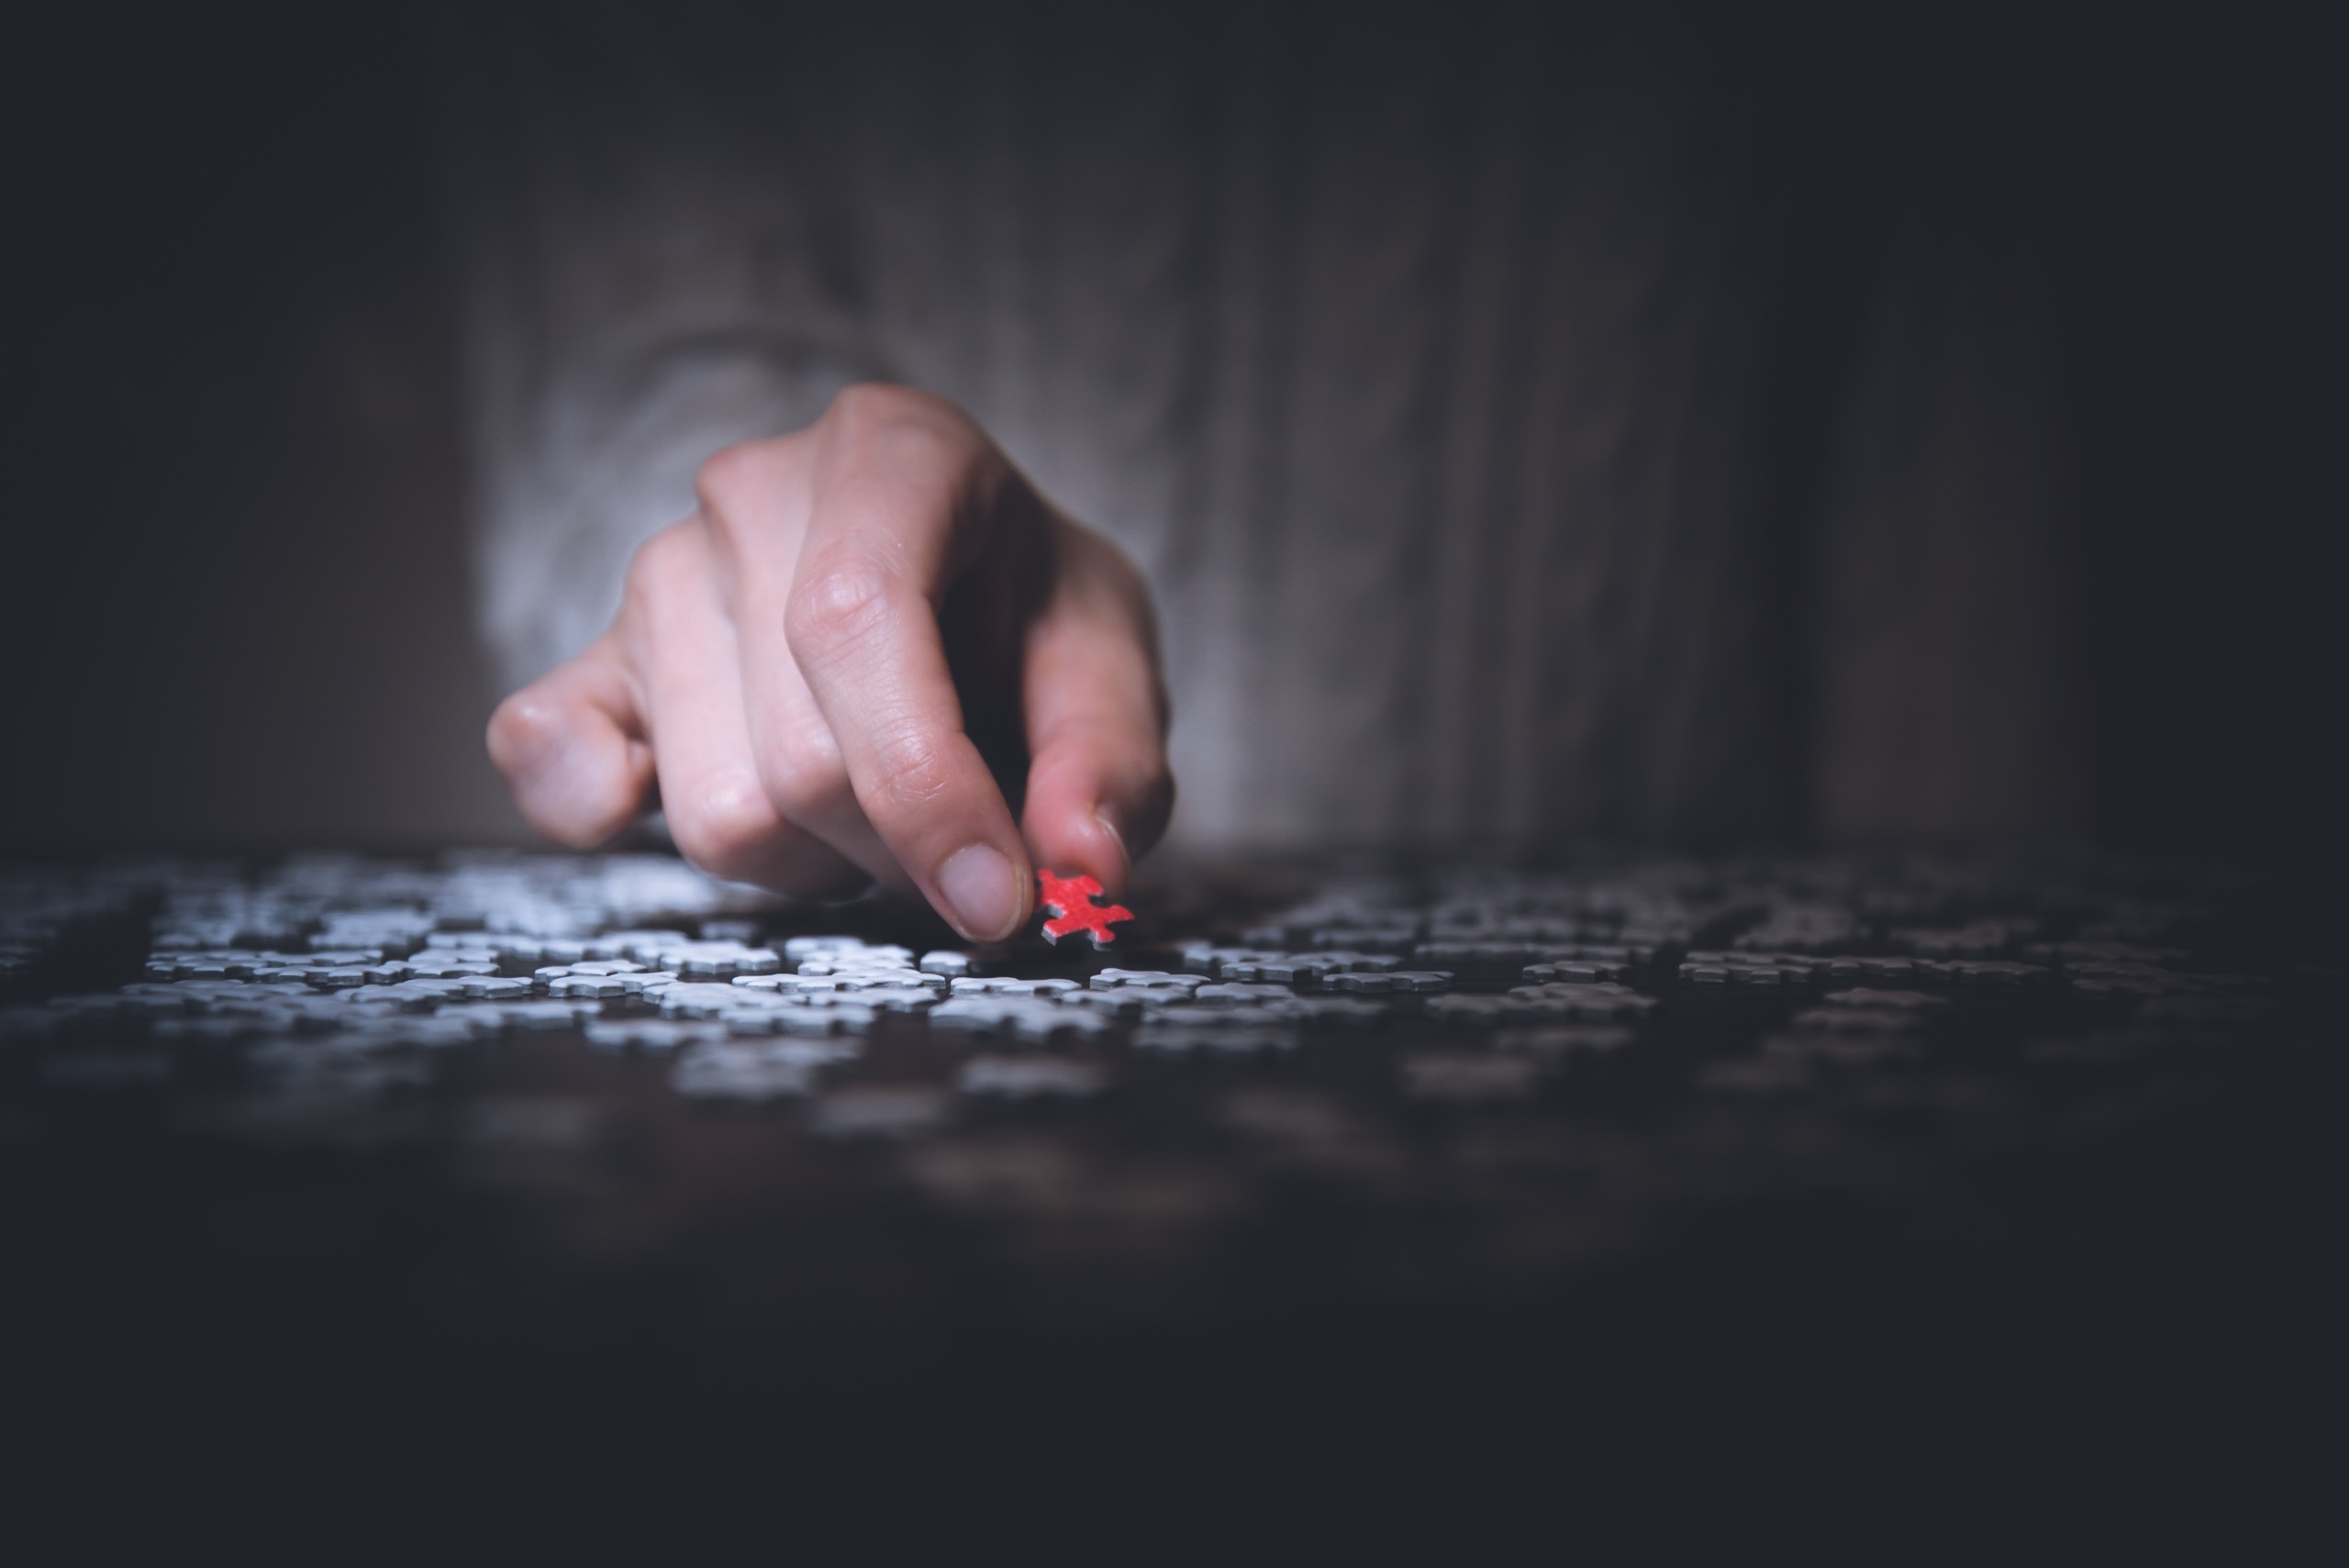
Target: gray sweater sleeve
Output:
[(1427, 375), (644, 280)]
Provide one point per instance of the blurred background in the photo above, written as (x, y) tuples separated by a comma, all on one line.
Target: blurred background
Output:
[(239, 605)]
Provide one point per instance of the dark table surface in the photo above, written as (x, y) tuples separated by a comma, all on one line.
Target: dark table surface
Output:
[(1967, 1190)]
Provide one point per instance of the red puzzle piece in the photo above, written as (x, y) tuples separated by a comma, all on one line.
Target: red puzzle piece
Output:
[(1070, 900)]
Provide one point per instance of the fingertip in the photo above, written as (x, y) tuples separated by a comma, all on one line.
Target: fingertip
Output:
[(1081, 838), (1082, 817)]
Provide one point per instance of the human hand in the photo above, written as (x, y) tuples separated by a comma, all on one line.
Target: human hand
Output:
[(870, 639)]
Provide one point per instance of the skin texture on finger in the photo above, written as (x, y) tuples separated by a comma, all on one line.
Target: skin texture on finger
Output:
[(681, 645), (1098, 790), (573, 749), (754, 500), (903, 493)]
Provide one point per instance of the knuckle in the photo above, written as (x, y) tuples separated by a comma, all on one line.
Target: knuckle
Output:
[(875, 413), (725, 827), (1095, 560), (870, 403), (734, 482), (655, 566), (806, 779), (567, 786), (525, 727), (835, 607)]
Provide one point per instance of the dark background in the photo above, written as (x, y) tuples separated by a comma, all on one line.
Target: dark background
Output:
[(234, 613)]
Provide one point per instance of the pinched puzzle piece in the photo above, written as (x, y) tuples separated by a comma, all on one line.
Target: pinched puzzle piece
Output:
[(1069, 900)]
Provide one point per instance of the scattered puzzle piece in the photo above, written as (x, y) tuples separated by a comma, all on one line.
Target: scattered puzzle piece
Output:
[(1069, 900)]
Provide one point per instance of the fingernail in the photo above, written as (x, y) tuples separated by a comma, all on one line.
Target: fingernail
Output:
[(1125, 856), (980, 892)]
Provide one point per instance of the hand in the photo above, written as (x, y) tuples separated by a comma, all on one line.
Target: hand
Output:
[(869, 642)]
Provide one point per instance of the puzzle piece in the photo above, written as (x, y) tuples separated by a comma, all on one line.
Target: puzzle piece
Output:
[(1069, 900)]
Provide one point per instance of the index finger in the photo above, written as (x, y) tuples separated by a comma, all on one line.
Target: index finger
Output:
[(903, 492)]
